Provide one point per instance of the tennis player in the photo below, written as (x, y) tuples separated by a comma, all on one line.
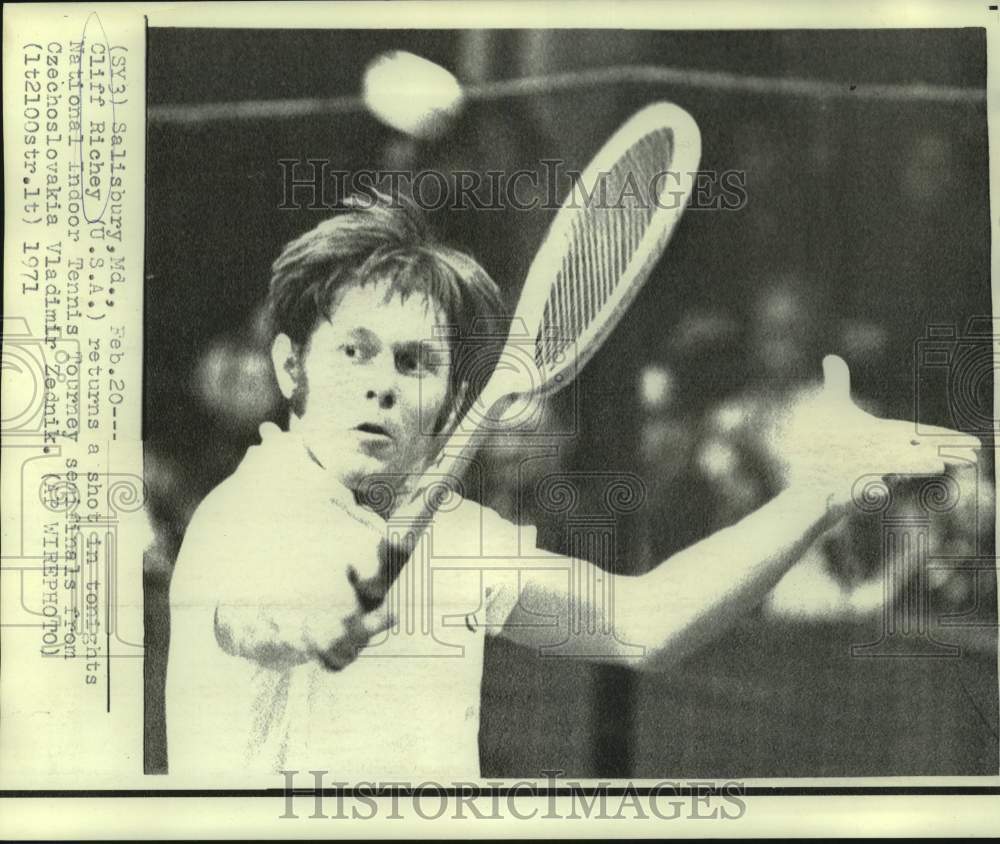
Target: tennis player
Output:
[(274, 662)]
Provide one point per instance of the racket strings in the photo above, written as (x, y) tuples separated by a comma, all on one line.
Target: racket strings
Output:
[(604, 237)]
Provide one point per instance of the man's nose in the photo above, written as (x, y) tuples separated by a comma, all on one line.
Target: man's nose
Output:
[(386, 398)]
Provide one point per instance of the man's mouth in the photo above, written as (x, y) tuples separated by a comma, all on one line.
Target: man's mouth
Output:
[(372, 428)]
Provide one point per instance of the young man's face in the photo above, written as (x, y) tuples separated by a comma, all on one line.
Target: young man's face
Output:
[(374, 386)]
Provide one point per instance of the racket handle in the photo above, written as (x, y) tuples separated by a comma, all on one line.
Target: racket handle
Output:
[(371, 592), (437, 485), (409, 522)]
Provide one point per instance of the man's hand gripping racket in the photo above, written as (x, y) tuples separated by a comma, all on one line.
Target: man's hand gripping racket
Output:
[(602, 246)]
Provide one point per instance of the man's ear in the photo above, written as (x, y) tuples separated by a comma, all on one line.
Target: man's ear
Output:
[(287, 366)]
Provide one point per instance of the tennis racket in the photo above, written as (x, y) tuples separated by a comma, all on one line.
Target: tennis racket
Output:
[(600, 249)]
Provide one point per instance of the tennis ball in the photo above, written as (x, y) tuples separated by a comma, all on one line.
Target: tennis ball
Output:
[(411, 94)]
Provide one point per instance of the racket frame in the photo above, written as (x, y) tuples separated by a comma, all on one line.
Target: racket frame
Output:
[(443, 478)]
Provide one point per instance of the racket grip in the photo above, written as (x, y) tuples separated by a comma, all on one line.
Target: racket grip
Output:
[(404, 530), (409, 521), (372, 591)]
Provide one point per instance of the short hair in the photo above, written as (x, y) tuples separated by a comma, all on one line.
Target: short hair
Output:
[(379, 238)]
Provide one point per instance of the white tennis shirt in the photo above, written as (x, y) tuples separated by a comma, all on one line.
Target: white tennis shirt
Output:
[(407, 709)]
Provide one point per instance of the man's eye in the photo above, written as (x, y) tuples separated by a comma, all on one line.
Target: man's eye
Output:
[(351, 350), (408, 362)]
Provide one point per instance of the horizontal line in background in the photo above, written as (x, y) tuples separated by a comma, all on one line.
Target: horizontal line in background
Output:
[(534, 85)]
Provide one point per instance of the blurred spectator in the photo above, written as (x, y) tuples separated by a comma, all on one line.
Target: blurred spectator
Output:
[(673, 390), (170, 502), (516, 461), (665, 438), (234, 380)]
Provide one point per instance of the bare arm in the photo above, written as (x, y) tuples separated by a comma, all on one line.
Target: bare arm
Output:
[(681, 605)]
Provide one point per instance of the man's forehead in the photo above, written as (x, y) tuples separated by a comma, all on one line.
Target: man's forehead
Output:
[(379, 308)]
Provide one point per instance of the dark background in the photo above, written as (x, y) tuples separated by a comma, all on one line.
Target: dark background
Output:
[(866, 221)]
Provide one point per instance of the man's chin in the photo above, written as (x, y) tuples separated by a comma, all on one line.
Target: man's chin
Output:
[(367, 471)]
